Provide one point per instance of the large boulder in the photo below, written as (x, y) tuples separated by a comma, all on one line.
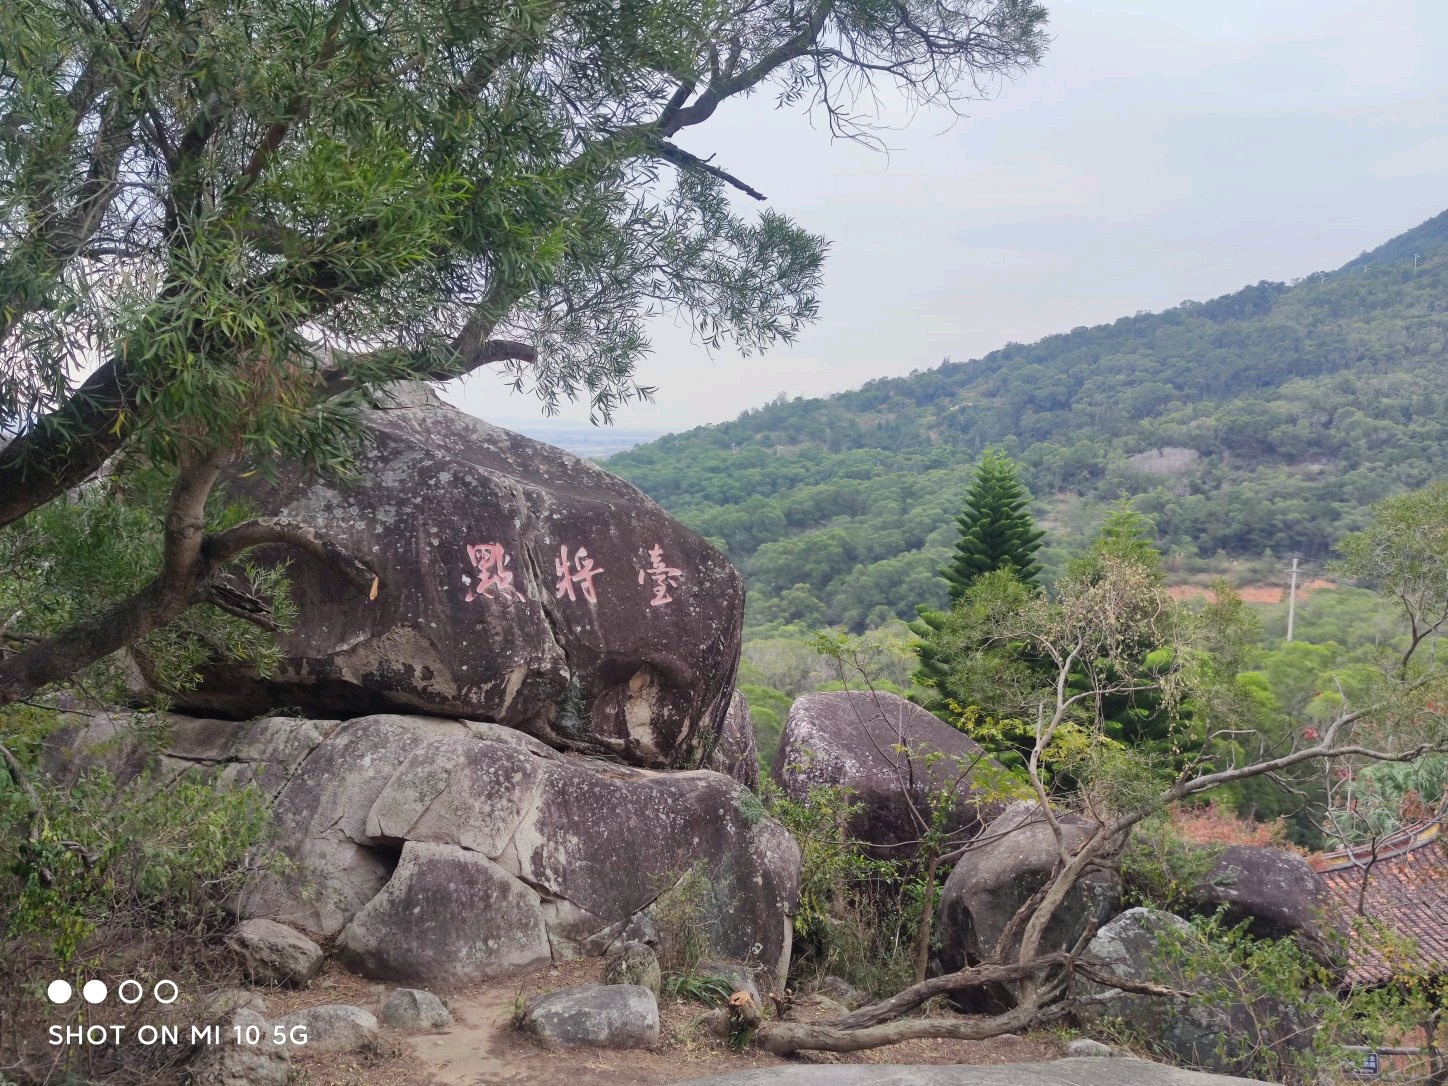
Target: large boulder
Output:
[(519, 584), (736, 753), (443, 851), (393, 831), (599, 842), (1276, 891), (1225, 1025), (1007, 864), (892, 756)]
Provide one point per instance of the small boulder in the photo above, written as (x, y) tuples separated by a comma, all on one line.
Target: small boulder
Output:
[(333, 1027), (842, 992), (1085, 1046), (892, 756), (273, 953), (1226, 1031), (413, 1009), (594, 1015), (635, 963), (1277, 891), (229, 1063), (1012, 859)]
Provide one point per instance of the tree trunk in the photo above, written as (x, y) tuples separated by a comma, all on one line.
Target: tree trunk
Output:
[(927, 917)]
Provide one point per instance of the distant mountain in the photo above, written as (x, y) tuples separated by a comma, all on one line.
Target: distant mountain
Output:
[(580, 438), (1266, 419)]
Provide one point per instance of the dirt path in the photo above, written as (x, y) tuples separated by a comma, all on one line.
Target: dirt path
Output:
[(482, 1049)]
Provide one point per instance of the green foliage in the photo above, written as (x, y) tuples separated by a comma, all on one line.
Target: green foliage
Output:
[(713, 991), (996, 529), (227, 226), (156, 855), (687, 914), (849, 922), (1403, 555), (1273, 982), (1159, 868), (1226, 969), (1110, 664), (1386, 796), (71, 559), (996, 534)]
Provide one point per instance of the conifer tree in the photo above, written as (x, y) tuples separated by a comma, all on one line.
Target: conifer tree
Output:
[(996, 533), (996, 529)]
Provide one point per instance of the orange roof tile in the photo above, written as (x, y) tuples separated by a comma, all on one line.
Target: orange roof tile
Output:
[(1401, 883)]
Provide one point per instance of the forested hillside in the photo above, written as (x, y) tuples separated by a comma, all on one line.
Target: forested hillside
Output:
[(1262, 421)]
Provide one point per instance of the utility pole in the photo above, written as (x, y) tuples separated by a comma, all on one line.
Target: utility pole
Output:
[(1292, 599)]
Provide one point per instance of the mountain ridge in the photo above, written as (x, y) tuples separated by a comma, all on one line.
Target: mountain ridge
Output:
[(1292, 407)]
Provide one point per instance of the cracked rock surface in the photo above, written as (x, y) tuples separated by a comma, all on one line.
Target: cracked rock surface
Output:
[(443, 852)]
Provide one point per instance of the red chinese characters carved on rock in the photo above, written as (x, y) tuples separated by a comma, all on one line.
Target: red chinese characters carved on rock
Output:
[(663, 577), (582, 573), (491, 563)]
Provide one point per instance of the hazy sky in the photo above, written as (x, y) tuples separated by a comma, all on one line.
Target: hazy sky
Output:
[(1166, 149)]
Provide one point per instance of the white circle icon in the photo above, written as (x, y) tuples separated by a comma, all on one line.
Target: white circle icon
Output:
[(156, 991), (94, 991), (135, 990), (59, 991)]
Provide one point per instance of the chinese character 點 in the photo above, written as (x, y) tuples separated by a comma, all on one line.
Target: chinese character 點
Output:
[(491, 562)]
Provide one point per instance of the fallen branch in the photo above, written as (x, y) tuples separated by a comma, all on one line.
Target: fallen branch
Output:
[(786, 1038)]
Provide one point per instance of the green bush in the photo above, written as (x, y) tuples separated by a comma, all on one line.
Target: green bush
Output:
[(857, 916), (108, 881)]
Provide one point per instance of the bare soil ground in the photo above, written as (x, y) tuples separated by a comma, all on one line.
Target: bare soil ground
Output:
[(483, 1049), (1251, 593)]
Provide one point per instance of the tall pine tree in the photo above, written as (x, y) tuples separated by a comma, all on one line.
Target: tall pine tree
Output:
[(996, 533), (996, 530)]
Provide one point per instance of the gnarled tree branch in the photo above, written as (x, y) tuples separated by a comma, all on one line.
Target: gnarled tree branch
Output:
[(191, 565)]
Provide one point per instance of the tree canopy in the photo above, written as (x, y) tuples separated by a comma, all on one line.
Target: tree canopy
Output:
[(224, 223), (997, 534)]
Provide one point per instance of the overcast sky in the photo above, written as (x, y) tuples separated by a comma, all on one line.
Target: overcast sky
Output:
[(1166, 149)]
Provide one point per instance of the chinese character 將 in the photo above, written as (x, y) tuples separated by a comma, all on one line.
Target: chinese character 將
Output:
[(582, 573)]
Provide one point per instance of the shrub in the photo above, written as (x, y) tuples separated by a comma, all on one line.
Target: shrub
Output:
[(107, 882), (857, 916)]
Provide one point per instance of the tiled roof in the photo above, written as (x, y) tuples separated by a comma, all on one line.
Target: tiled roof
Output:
[(1406, 890)]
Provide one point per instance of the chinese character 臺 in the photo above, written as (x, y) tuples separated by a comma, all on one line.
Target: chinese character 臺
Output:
[(583, 573), (663, 576)]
